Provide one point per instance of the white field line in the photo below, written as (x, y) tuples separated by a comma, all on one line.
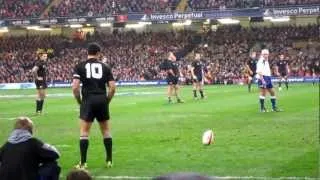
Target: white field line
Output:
[(8, 118), (121, 177), (11, 118), (70, 95), (215, 177), (63, 146)]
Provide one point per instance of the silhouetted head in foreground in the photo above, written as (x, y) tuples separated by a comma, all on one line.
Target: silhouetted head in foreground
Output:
[(79, 174)]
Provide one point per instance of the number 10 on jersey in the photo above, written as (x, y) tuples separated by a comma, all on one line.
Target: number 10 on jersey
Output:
[(94, 70)]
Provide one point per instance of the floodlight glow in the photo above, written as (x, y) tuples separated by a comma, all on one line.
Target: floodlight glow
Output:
[(188, 22), (207, 21), (32, 27), (4, 30), (280, 19), (145, 23), (133, 26), (185, 23), (43, 29), (228, 21), (267, 18), (76, 26), (105, 25)]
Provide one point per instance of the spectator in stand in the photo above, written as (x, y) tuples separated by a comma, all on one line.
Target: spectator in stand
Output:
[(26, 157)]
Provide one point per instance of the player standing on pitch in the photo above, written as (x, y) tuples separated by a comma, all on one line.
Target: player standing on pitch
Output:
[(251, 67), (173, 73), (264, 81), (197, 76), (283, 71), (95, 76), (39, 72)]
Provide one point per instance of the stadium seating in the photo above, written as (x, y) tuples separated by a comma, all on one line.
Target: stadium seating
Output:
[(136, 56), (288, 2), (103, 7), (72, 8), (223, 4), (22, 8)]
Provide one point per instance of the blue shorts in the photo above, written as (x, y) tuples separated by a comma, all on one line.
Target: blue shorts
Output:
[(268, 83)]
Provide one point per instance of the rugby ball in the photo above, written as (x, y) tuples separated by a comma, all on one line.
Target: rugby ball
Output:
[(208, 137)]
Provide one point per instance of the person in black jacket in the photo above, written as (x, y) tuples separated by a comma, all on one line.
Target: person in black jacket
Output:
[(24, 157)]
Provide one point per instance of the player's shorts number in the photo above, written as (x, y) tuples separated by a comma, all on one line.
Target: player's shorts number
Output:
[(94, 70)]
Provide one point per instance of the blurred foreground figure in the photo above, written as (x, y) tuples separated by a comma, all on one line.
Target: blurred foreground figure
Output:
[(24, 157)]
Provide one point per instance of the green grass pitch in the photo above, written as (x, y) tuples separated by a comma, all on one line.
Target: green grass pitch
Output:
[(152, 137)]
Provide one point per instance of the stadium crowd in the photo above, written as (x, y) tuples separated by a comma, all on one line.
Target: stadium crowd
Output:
[(223, 4), (137, 56), (228, 49), (21, 9), (103, 7)]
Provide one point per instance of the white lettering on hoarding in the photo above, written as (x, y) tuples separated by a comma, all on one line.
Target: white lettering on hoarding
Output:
[(296, 11), (174, 16)]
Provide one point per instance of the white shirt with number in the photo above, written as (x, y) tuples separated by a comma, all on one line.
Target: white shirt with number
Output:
[(263, 67)]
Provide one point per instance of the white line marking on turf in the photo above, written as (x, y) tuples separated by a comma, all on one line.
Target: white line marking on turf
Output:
[(13, 118), (121, 177), (125, 93), (63, 146), (8, 118), (264, 178), (214, 177)]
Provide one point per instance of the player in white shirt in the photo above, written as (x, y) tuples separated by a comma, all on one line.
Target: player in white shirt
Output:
[(264, 81)]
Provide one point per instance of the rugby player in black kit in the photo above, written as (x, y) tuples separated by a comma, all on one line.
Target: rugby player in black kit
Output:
[(95, 76), (283, 70), (172, 69), (197, 75), (251, 67), (39, 72)]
